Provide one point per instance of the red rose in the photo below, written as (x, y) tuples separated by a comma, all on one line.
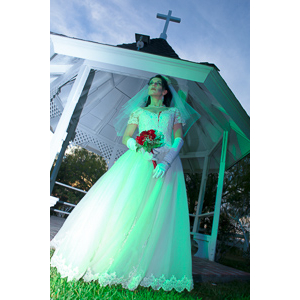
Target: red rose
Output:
[(140, 140), (149, 140), (152, 134)]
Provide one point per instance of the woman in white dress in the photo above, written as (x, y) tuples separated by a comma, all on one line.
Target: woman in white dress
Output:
[(132, 227)]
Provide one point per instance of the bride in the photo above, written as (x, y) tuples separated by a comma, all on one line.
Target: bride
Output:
[(132, 227)]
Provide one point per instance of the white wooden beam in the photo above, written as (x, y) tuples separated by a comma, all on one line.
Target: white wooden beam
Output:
[(219, 89), (116, 69), (62, 126), (200, 154), (209, 214), (214, 148), (52, 53), (204, 101), (53, 201), (66, 76), (201, 193), (217, 210), (59, 69), (129, 59), (197, 154)]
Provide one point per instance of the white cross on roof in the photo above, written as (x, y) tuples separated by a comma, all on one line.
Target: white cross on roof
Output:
[(168, 18)]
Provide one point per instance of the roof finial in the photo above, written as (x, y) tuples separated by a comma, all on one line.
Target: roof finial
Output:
[(168, 18)]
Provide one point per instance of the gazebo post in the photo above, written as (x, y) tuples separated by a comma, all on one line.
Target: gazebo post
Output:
[(60, 133), (71, 130), (216, 218), (201, 193)]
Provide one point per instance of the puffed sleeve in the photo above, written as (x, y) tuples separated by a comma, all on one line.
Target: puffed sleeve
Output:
[(134, 117), (178, 118)]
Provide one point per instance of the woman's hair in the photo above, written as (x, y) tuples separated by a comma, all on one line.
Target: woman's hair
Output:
[(165, 86)]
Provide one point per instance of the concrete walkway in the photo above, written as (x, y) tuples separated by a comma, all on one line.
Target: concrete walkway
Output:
[(203, 270)]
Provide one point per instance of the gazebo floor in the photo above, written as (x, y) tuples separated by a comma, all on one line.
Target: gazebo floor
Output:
[(203, 270)]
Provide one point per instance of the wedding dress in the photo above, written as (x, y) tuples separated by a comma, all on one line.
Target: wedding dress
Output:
[(131, 229)]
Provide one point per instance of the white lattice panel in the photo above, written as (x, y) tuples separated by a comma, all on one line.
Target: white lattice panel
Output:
[(54, 110), (119, 153), (82, 138)]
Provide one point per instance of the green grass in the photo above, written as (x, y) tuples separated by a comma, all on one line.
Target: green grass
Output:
[(63, 290)]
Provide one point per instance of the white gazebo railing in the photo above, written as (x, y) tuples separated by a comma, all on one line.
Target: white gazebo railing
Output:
[(62, 202)]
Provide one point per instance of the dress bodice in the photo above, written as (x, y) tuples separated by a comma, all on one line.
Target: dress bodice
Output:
[(162, 122)]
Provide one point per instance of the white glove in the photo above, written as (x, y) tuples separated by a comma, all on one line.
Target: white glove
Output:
[(160, 170), (158, 151), (174, 151), (132, 144), (163, 167)]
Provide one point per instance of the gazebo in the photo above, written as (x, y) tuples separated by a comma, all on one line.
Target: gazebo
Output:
[(90, 81)]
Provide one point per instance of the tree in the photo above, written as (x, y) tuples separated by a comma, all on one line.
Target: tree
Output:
[(80, 168), (192, 182), (235, 207), (236, 196)]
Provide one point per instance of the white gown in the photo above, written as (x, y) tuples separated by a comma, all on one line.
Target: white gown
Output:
[(130, 228)]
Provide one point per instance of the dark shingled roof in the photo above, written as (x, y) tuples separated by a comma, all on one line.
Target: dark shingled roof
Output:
[(155, 46)]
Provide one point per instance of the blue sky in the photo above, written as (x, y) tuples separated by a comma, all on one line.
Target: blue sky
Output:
[(215, 31)]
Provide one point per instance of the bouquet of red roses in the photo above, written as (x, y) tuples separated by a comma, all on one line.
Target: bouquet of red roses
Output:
[(148, 140)]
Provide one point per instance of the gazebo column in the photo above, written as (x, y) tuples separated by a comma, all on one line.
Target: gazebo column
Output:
[(201, 193), (60, 133), (216, 218), (72, 126), (207, 243)]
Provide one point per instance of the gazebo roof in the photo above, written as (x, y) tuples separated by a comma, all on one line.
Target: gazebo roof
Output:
[(155, 46), (121, 71)]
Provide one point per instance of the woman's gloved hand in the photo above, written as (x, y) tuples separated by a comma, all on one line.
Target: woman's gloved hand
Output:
[(163, 167), (132, 145), (160, 170)]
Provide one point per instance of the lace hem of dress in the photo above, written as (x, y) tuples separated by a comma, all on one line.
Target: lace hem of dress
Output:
[(131, 282), (64, 270)]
